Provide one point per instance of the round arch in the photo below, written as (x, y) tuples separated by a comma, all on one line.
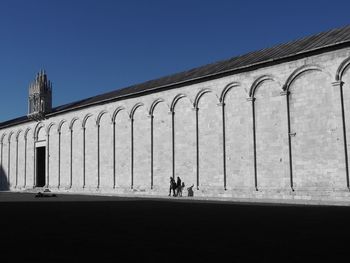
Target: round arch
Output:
[(341, 69), (37, 128), (227, 89), (86, 117), (9, 137), (298, 72), (48, 128), (71, 124), (258, 82), (2, 137), (176, 99), (18, 134), (136, 106), (115, 113), (199, 95), (99, 116), (26, 133), (154, 104), (60, 124)]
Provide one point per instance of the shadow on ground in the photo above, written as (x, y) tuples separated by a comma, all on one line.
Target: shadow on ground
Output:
[(164, 231), (4, 186)]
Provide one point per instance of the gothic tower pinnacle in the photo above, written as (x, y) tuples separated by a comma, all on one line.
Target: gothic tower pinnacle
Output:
[(40, 97)]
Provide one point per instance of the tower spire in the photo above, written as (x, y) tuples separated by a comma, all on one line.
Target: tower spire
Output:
[(40, 96)]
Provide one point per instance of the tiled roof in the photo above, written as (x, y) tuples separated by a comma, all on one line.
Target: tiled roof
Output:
[(283, 51)]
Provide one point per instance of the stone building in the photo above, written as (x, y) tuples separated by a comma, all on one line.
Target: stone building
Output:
[(274, 123)]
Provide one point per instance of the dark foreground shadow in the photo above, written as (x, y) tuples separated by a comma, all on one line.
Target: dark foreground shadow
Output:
[(4, 186), (163, 231)]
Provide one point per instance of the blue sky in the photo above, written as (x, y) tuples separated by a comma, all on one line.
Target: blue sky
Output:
[(89, 47)]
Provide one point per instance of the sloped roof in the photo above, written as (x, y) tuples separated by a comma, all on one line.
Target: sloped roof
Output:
[(318, 42)]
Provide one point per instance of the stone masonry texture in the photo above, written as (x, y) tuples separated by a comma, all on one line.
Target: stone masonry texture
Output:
[(273, 132)]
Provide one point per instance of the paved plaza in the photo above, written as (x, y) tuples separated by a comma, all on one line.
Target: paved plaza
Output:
[(75, 228)]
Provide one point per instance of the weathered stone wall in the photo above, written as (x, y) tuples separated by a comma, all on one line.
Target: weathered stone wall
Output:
[(273, 132)]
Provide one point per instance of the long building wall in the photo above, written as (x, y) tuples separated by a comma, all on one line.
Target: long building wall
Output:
[(278, 129)]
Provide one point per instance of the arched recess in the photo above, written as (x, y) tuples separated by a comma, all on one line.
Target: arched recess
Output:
[(297, 73), (3, 175), (223, 118), (40, 133), (227, 89), (40, 156), (2, 141), (115, 113), (19, 158), (83, 126), (37, 129), (98, 122), (11, 158), (258, 82), (176, 99), (29, 158), (209, 140), (76, 157), (122, 138), (114, 132), (90, 172), (63, 154), (161, 144), (343, 84), (52, 151), (271, 134), (342, 69), (238, 137), (2, 137), (105, 151), (140, 147), (184, 140), (18, 133), (315, 130), (153, 105)]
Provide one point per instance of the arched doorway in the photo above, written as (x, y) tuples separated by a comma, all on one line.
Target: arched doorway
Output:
[(40, 158)]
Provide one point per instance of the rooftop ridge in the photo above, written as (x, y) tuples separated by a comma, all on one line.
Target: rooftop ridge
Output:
[(220, 62)]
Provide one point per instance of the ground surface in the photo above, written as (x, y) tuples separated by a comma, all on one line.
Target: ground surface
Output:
[(72, 228)]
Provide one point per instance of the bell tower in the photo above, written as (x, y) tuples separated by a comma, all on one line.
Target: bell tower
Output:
[(40, 97)]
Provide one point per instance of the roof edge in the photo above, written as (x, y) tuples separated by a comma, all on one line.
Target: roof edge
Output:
[(246, 68), (213, 76)]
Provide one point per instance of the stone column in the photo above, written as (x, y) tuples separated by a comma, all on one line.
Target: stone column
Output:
[(59, 159), (252, 100), (84, 157), (114, 157), (222, 104), (290, 134), (71, 158), (9, 162), (152, 150), (16, 162), (98, 155), (339, 84), (25, 161), (47, 160), (132, 152)]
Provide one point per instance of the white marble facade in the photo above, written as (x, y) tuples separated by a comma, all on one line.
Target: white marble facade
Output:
[(278, 132)]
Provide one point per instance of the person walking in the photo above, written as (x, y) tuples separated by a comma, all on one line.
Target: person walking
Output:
[(172, 186), (178, 186)]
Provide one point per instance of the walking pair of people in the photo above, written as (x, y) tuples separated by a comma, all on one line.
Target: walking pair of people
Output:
[(176, 187)]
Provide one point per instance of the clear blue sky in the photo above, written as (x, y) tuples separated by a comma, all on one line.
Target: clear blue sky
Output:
[(89, 47)]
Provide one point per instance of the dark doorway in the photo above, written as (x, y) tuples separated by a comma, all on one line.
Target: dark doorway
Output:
[(40, 166)]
